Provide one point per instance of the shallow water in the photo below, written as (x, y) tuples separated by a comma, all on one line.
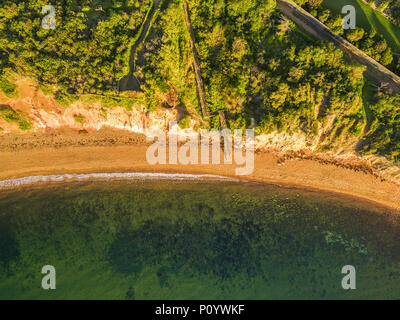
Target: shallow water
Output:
[(194, 240)]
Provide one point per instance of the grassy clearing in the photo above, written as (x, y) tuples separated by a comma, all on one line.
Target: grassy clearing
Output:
[(9, 88), (47, 90), (109, 102), (369, 94), (12, 116), (369, 18), (80, 119), (184, 123), (64, 99)]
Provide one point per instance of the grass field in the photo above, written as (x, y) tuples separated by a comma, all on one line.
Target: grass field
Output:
[(369, 92), (368, 18)]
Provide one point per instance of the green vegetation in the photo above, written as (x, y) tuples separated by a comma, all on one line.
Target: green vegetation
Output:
[(47, 90), (383, 137), (184, 122), (8, 88), (252, 69), (260, 68), (391, 8), (368, 18), (255, 64), (64, 99), (113, 101), (12, 116), (85, 53), (375, 34), (164, 63), (79, 118), (139, 33)]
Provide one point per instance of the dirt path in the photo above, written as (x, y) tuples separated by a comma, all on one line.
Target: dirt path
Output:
[(130, 82), (199, 79)]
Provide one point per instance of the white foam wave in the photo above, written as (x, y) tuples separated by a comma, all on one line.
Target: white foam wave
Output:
[(12, 183)]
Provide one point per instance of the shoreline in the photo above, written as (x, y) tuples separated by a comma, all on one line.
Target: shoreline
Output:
[(44, 181), (10, 184), (119, 152)]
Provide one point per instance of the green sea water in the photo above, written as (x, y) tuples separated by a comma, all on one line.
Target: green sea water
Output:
[(194, 240)]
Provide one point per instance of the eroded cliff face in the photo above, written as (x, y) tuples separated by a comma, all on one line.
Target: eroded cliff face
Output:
[(94, 118), (44, 113)]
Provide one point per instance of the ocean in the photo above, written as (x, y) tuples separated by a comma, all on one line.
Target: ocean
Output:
[(193, 237)]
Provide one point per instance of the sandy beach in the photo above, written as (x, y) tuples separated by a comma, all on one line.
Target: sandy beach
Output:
[(109, 151)]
